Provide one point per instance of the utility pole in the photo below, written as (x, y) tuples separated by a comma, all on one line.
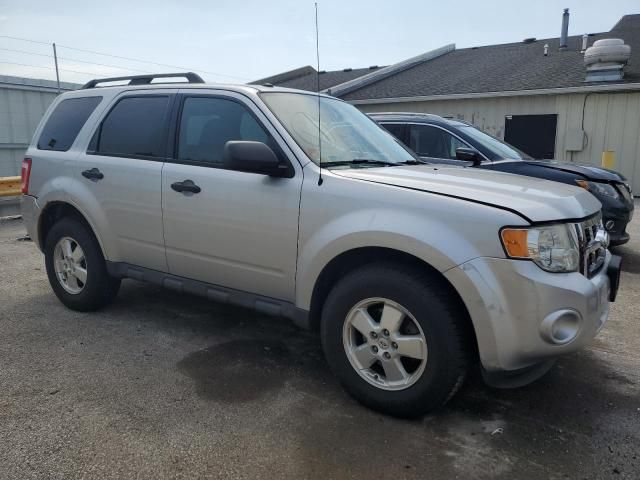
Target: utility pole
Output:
[(55, 59)]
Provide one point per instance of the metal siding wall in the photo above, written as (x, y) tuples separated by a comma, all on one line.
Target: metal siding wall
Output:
[(611, 122), (9, 167), (20, 113)]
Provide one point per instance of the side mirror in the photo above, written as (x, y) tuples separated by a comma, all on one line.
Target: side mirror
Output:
[(468, 155), (253, 157)]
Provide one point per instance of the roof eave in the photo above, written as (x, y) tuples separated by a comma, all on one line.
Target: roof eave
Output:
[(512, 93)]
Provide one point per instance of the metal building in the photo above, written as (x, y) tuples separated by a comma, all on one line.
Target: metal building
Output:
[(560, 98), (23, 102)]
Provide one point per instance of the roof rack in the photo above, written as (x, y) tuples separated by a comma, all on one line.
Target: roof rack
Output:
[(145, 79)]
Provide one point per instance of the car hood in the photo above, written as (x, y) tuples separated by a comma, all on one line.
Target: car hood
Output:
[(588, 172), (535, 199)]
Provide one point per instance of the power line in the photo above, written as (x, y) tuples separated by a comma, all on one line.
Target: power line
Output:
[(24, 40), (126, 58), (74, 60), (152, 63), (49, 68)]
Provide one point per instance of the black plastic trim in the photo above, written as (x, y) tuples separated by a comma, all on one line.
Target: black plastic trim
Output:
[(259, 303), (516, 378), (613, 272), (145, 79)]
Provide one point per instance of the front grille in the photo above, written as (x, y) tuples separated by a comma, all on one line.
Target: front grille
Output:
[(593, 241)]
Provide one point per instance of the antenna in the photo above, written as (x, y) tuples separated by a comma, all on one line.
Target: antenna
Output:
[(318, 93)]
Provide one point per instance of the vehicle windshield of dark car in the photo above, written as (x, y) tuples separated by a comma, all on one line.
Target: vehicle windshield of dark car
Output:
[(498, 147)]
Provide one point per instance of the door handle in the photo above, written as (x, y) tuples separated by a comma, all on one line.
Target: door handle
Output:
[(186, 186), (94, 174)]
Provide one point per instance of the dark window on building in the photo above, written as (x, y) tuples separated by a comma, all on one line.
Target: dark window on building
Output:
[(208, 123), (135, 127), (433, 142), (65, 123), (535, 135)]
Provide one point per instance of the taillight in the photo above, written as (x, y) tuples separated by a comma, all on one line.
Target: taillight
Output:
[(25, 173)]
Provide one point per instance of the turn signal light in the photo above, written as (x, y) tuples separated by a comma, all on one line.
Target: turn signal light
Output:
[(515, 243)]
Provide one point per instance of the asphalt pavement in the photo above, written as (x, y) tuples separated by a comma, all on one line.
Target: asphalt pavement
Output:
[(164, 385)]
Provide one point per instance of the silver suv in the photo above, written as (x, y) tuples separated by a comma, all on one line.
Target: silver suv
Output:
[(297, 204)]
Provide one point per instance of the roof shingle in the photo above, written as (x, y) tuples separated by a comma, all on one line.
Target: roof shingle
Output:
[(507, 67)]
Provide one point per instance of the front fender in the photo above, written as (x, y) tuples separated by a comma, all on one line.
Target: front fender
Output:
[(432, 240)]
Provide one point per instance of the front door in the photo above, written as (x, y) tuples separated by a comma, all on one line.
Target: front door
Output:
[(234, 229)]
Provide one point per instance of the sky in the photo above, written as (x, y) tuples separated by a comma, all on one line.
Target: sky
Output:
[(243, 40)]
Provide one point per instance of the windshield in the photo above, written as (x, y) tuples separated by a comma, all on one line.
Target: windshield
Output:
[(347, 136), (503, 150)]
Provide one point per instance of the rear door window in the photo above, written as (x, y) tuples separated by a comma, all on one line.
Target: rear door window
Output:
[(65, 123), (135, 127)]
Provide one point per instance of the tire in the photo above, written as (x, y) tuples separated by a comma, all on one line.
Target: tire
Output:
[(79, 292), (430, 308)]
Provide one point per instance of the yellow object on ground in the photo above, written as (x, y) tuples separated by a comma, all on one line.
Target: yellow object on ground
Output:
[(10, 186), (608, 159)]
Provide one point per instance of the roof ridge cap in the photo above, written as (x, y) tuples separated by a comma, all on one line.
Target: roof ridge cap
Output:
[(382, 73), (288, 75)]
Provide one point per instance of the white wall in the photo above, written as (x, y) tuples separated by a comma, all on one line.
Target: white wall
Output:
[(611, 122)]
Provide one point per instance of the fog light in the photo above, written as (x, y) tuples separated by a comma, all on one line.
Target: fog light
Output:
[(560, 327), (609, 224)]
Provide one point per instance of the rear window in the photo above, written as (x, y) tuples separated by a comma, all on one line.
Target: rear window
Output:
[(135, 127), (65, 122)]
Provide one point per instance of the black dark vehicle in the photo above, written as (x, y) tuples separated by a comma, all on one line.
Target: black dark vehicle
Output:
[(440, 140)]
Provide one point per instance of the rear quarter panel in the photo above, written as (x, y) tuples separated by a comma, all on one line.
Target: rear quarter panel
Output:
[(53, 172)]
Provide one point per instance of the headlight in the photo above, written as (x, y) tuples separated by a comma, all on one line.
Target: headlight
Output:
[(598, 188), (553, 248)]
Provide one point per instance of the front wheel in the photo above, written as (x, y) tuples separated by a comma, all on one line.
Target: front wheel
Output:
[(395, 338)]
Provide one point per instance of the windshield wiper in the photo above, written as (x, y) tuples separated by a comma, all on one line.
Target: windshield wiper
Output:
[(413, 162), (359, 161)]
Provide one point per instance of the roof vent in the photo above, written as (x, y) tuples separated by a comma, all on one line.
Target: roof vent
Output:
[(605, 60), (564, 32), (347, 69), (585, 43), (373, 67), (529, 40), (322, 71)]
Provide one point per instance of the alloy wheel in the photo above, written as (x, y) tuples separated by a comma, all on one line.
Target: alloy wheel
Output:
[(385, 344)]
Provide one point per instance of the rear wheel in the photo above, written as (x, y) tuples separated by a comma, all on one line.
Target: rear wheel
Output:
[(76, 267), (394, 336)]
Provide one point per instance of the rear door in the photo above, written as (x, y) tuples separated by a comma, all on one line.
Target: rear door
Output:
[(122, 172), (240, 230)]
